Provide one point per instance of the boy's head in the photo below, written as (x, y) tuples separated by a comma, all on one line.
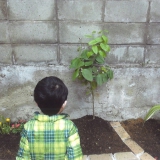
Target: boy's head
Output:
[(50, 94)]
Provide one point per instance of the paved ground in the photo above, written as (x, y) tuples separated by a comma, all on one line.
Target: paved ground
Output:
[(137, 153)]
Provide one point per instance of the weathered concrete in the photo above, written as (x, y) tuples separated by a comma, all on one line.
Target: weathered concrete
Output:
[(125, 155), (39, 39), (35, 10), (126, 55), (126, 33), (155, 12), (4, 38), (6, 54), (154, 34), (40, 54), (114, 11), (83, 10), (152, 55), (126, 96), (3, 11), (74, 32), (29, 32)]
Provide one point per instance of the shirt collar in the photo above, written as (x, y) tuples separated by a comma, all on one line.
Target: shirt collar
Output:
[(46, 118)]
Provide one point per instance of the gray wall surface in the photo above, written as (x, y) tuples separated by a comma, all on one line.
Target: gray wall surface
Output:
[(38, 38)]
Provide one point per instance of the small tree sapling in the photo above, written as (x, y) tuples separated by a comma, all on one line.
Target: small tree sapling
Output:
[(89, 67)]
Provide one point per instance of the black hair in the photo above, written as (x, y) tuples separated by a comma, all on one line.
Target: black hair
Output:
[(50, 93)]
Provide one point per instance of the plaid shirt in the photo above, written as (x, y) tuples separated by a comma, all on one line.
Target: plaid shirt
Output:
[(49, 138)]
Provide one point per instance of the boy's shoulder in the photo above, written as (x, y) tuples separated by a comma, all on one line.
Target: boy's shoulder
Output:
[(61, 123), (38, 118)]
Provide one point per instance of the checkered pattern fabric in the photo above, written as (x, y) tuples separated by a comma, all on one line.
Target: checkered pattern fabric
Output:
[(49, 138)]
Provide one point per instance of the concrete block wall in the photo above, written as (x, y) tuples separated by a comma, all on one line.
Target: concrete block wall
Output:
[(38, 38)]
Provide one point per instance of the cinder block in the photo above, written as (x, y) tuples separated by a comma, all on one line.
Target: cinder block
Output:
[(125, 55), (3, 9), (125, 156), (125, 33), (74, 32), (80, 10), (154, 11), (126, 11), (122, 133), (116, 55), (115, 124), (4, 38), (101, 157), (32, 54), (5, 54), (85, 157), (153, 33), (152, 55), (135, 54), (67, 53), (135, 148), (32, 10), (33, 32), (146, 156)]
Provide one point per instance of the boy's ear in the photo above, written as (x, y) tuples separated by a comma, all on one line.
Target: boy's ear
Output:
[(62, 108), (64, 104)]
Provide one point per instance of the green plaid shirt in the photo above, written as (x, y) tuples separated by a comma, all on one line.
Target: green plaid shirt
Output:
[(49, 138)]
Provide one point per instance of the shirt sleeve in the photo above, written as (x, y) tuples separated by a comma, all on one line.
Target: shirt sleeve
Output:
[(74, 151), (23, 152)]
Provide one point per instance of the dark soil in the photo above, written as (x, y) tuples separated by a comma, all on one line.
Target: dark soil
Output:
[(147, 134), (97, 137)]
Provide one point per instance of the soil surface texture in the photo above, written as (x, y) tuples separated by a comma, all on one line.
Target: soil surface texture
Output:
[(97, 137), (147, 134)]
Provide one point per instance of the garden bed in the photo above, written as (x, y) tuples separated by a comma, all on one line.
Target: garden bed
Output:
[(97, 137)]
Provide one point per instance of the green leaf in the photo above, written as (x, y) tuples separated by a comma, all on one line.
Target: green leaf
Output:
[(104, 69), (151, 112), (95, 41), (98, 39), (99, 79), (76, 63), (88, 63), (73, 62), (102, 53), (92, 42), (87, 74), (95, 49), (108, 48), (100, 59), (89, 54), (105, 47), (84, 54), (104, 77), (94, 69), (105, 39), (75, 74), (110, 74)]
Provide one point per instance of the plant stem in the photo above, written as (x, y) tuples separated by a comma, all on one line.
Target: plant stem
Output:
[(92, 92)]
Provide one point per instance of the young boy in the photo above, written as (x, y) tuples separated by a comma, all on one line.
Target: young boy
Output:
[(50, 136)]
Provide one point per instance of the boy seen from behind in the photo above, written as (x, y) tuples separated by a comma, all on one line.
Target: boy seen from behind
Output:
[(50, 136)]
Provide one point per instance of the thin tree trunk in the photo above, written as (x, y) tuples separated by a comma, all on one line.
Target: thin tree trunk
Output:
[(92, 92)]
